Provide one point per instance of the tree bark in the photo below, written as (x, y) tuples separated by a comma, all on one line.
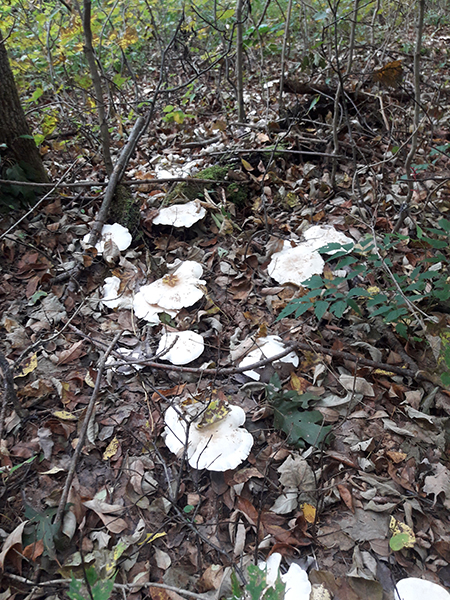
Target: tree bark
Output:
[(14, 147)]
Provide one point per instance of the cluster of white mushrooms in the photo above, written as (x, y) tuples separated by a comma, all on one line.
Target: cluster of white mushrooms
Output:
[(222, 444)]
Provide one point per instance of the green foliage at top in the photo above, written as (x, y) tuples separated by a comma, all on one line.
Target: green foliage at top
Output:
[(293, 416)]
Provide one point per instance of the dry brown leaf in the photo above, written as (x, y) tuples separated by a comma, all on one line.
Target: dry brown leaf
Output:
[(12, 548), (71, 354)]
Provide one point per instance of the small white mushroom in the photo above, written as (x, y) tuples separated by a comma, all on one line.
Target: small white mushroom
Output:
[(318, 237), (112, 298), (298, 586), (171, 293), (218, 447), (295, 264), (116, 233), (184, 346), (180, 215), (130, 354), (268, 346)]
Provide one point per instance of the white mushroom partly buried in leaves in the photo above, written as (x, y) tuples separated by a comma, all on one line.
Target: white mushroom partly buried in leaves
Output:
[(171, 293), (221, 446), (183, 347), (296, 579), (180, 215), (319, 236), (295, 264), (113, 297), (267, 347), (116, 233), (413, 588)]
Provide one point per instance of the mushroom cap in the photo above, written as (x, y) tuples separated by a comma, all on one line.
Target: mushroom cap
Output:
[(413, 588), (295, 264), (319, 236), (268, 346), (111, 296), (126, 353), (171, 293), (180, 215), (219, 447), (116, 232), (188, 346)]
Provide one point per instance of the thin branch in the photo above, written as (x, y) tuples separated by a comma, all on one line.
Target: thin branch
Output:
[(83, 431)]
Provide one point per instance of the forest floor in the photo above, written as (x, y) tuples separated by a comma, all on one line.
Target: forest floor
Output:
[(348, 473)]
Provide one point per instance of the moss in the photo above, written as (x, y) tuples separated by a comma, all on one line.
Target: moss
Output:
[(125, 210), (185, 192)]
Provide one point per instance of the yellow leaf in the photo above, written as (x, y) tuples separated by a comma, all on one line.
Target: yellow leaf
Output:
[(296, 382), (111, 449), (88, 380), (247, 166), (28, 366), (65, 415), (398, 527), (151, 537), (309, 512)]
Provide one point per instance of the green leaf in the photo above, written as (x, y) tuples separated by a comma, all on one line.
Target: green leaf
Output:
[(321, 308), (338, 308), (399, 541)]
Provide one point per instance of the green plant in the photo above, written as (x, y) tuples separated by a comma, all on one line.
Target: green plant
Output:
[(293, 416), (257, 587), (396, 294), (100, 589)]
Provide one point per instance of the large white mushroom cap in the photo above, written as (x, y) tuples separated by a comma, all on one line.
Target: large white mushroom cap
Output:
[(298, 586), (116, 233), (180, 215), (268, 346), (112, 298), (319, 236), (295, 264), (188, 346), (218, 447), (413, 588), (171, 293)]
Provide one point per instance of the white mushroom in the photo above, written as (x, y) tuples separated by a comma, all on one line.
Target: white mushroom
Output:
[(171, 293), (413, 588), (180, 215), (116, 233), (296, 579), (184, 346), (318, 237), (221, 446), (112, 298), (130, 354), (295, 264), (268, 346)]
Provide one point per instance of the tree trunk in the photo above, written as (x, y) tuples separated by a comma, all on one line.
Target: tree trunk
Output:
[(14, 147)]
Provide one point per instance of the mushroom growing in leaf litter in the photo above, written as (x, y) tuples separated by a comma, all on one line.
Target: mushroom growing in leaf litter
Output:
[(296, 579), (171, 293), (295, 264), (319, 237), (182, 347), (180, 215), (113, 297), (267, 347), (116, 233), (210, 432), (413, 588)]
